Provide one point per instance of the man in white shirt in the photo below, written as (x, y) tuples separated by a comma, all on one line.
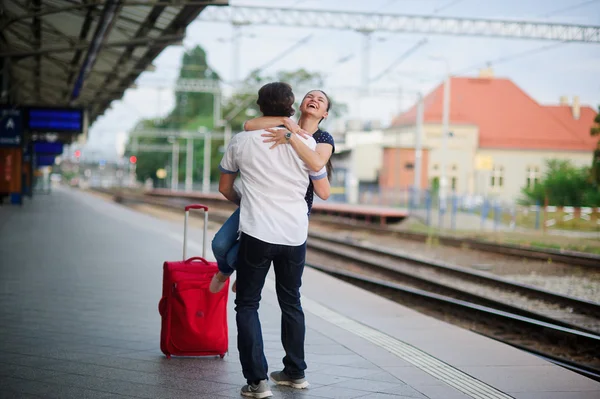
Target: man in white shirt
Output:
[(274, 228)]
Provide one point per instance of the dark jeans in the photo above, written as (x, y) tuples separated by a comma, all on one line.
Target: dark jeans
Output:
[(254, 260), (225, 244)]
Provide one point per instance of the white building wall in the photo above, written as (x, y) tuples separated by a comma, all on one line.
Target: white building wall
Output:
[(515, 164)]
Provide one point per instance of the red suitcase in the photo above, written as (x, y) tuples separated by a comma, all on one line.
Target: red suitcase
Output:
[(194, 321)]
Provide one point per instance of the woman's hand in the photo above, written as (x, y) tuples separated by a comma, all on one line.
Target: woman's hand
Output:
[(291, 125), (277, 136)]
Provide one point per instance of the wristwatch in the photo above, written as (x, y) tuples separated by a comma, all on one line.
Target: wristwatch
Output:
[(288, 136)]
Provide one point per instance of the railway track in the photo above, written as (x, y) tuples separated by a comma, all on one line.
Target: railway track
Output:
[(561, 256), (569, 348), (559, 328), (455, 281)]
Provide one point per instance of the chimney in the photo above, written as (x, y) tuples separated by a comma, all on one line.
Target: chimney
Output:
[(564, 100), (486, 73), (576, 108)]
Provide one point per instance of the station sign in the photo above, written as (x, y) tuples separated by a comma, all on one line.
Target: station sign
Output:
[(11, 127), (54, 120)]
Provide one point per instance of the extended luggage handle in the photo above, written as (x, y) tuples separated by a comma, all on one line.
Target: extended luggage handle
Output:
[(197, 258), (185, 228)]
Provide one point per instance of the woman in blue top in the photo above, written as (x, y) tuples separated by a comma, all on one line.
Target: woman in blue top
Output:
[(314, 108)]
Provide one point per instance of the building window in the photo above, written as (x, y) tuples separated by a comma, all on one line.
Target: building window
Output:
[(497, 178), (435, 166), (533, 176), (453, 183)]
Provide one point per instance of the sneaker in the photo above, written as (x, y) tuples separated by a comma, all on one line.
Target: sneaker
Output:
[(260, 390), (217, 283), (281, 378), (234, 286)]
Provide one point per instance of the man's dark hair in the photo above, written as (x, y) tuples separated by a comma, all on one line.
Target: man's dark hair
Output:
[(276, 99)]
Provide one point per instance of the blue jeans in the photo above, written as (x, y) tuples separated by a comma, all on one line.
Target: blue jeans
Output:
[(255, 258), (225, 244)]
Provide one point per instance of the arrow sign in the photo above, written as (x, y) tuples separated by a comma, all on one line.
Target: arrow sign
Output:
[(11, 127)]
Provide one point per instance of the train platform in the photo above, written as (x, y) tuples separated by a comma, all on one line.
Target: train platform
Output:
[(80, 285)]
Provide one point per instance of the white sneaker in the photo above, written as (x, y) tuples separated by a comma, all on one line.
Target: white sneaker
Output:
[(260, 390)]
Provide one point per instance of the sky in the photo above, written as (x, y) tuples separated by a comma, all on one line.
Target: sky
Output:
[(543, 69)]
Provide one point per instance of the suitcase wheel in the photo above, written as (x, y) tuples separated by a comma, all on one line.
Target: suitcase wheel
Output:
[(222, 355)]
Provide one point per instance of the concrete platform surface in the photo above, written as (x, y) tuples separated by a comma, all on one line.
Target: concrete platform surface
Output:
[(79, 289)]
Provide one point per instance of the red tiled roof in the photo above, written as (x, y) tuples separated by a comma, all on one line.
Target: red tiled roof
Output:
[(507, 117)]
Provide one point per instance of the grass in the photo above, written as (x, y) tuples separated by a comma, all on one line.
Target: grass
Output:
[(529, 239)]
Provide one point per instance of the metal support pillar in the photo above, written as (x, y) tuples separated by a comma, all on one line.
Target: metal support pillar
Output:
[(175, 167), (206, 168), (216, 110), (189, 168), (227, 135)]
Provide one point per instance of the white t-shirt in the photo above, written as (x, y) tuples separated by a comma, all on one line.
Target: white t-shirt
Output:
[(274, 183)]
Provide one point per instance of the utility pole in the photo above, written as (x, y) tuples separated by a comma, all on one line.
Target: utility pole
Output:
[(366, 57), (418, 142), (445, 133)]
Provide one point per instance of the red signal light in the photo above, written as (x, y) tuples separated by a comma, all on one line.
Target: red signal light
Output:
[(77, 153), (133, 159)]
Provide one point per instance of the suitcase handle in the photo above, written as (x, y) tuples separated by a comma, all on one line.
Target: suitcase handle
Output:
[(196, 206), (190, 260), (185, 226)]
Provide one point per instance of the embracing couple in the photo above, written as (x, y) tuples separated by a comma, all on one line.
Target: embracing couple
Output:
[(280, 170)]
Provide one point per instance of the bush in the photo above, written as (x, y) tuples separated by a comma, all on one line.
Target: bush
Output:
[(563, 185)]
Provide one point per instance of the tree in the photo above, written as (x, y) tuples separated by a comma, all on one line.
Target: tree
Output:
[(595, 170), (194, 111), (242, 105), (563, 185)]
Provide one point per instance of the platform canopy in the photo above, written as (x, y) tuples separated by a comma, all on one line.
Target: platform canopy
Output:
[(85, 53)]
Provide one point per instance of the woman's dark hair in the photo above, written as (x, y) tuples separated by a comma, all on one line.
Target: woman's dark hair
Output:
[(329, 168), (276, 99)]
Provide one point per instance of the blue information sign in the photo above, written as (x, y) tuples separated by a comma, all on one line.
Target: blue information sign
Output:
[(11, 127), (55, 120), (43, 147), (45, 160)]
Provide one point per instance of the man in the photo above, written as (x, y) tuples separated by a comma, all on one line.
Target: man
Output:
[(274, 228)]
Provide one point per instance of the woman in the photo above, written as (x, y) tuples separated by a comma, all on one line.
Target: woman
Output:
[(314, 108)]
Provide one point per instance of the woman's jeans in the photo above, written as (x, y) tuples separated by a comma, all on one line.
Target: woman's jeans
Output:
[(225, 244)]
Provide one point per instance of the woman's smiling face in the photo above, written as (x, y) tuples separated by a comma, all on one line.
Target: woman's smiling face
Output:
[(315, 103)]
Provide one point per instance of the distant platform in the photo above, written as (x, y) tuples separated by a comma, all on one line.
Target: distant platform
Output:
[(368, 213)]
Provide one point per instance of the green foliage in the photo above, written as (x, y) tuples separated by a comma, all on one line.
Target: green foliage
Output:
[(595, 129), (194, 112), (563, 185), (242, 105)]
